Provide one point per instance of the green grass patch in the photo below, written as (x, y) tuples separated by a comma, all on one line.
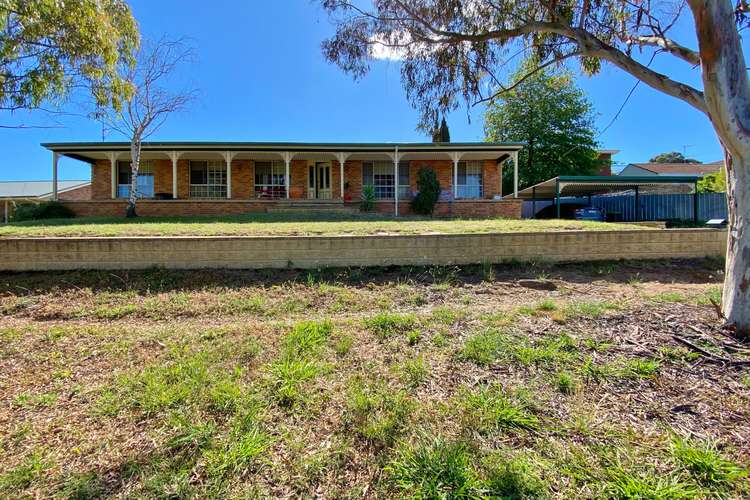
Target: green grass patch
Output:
[(490, 408), (385, 325), (434, 468), (375, 412), (189, 379), (706, 465)]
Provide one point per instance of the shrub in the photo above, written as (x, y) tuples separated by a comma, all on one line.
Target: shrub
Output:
[(429, 192), (46, 210), (368, 199)]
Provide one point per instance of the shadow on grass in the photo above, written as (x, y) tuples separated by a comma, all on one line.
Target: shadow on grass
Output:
[(165, 280)]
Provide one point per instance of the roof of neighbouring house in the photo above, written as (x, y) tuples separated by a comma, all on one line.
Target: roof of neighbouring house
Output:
[(36, 189), (680, 168)]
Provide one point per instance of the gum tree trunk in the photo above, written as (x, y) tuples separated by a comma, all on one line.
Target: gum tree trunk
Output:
[(727, 95), (135, 164)]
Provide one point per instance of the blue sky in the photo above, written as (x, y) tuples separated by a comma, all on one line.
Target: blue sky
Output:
[(262, 77)]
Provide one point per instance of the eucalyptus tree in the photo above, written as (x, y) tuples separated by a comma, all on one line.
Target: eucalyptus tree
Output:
[(48, 49), (453, 50), (153, 95)]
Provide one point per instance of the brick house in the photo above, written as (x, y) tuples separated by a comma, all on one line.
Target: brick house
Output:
[(15, 192), (213, 178)]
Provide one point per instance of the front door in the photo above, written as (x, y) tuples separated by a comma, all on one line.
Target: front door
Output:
[(319, 181)]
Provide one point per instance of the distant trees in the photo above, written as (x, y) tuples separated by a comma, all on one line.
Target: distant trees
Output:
[(150, 102), (50, 48), (672, 157), (553, 117), (713, 183), (440, 132)]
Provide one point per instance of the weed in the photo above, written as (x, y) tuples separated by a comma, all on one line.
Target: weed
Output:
[(434, 468), (670, 297), (343, 345), (413, 337), (187, 380), (375, 412), (288, 378), (489, 408), (241, 304), (385, 325), (712, 295), (446, 315), (27, 400), (622, 483), (24, 474), (414, 371), (488, 272), (566, 383), (590, 309), (516, 478), (676, 354), (706, 465), (640, 368), (239, 454), (82, 486), (307, 337), (484, 348)]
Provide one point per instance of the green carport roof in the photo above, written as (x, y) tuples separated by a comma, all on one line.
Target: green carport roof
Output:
[(583, 185)]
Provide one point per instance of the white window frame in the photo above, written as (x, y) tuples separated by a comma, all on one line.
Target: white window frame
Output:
[(145, 169), (277, 187), (215, 186), (470, 190), (383, 180)]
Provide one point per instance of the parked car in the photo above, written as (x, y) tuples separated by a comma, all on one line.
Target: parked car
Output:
[(567, 211), (590, 213)]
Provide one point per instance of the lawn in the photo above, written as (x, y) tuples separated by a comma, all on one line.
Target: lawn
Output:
[(445, 382), (288, 224)]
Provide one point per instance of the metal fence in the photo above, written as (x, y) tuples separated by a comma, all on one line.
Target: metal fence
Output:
[(651, 206)]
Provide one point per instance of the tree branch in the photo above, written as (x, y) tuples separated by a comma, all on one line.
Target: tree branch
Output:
[(668, 45)]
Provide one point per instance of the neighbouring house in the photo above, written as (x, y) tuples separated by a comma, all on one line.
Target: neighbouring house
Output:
[(672, 168), (215, 178), (14, 192)]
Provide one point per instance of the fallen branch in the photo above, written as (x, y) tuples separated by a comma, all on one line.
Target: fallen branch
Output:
[(709, 355)]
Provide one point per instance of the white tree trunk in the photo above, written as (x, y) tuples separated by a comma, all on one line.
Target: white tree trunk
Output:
[(135, 164), (727, 94), (736, 296)]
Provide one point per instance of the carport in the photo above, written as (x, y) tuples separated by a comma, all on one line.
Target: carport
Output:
[(588, 185)]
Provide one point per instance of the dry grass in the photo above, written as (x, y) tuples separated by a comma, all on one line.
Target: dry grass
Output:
[(288, 224), (383, 382)]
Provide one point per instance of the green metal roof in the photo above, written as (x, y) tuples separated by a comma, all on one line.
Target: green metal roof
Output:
[(582, 185), (67, 146)]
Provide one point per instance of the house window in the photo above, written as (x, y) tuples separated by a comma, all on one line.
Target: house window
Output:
[(269, 179), (144, 183), (469, 179), (208, 179), (379, 175)]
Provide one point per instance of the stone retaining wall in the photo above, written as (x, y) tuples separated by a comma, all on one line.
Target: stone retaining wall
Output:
[(25, 254)]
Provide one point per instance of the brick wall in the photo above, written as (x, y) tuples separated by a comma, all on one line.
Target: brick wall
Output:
[(41, 254), (461, 208), (163, 208), (101, 180), (243, 178), (81, 193)]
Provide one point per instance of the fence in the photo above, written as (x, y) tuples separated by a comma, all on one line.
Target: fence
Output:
[(651, 206)]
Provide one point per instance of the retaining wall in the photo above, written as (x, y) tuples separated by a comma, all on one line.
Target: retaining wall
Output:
[(39, 254)]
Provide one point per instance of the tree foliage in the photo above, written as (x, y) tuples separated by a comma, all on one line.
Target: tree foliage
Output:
[(553, 117), (672, 157), (713, 183), (49, 48)]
